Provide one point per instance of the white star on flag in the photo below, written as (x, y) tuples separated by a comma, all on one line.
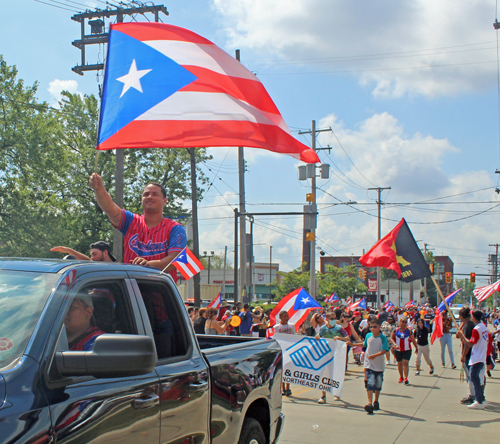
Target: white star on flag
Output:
[(305, 300), (132, 79)]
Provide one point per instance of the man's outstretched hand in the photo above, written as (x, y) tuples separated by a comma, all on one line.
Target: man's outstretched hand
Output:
[(95, 181)]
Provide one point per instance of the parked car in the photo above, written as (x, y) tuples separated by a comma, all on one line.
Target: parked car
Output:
[(147, 378)]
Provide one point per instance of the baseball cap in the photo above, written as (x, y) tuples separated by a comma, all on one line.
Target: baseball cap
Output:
[(103, 246), (356, 313)]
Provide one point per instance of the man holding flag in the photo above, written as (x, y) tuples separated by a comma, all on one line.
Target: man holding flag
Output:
[(148, 239)]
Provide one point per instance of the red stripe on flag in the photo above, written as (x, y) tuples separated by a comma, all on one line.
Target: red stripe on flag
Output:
[(193, 133), (159, 31)]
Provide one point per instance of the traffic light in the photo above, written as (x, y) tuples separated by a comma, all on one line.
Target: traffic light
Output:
[(364, 275), (448, 277), (360, 273), (472, 278), (431, 267)]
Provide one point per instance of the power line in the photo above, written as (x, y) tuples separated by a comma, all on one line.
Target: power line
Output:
[(55, 6)]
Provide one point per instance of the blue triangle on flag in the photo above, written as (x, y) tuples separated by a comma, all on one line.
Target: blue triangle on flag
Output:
[(120, 107), (182, 257), (304, 300)]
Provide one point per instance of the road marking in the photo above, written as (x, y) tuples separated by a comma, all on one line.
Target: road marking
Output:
[(301, 391)]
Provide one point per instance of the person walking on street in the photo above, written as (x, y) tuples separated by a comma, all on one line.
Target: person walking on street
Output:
[(422, 336), (445, 340), (466, 328), (403, 338), (479, 344), (287, 329), (246, 321), (376, 346)]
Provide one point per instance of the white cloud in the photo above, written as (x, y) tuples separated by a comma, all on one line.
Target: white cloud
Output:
[(57, 86), (397, 47)]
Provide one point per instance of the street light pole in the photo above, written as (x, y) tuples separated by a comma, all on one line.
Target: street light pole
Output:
[(270, 270)]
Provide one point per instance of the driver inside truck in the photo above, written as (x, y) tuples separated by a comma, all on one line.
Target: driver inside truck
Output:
[(78, 322)]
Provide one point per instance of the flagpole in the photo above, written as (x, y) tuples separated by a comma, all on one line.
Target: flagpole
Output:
[(445, 303), (162, 271)]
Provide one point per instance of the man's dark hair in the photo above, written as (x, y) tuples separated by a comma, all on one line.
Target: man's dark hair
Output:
[(338, 312), (464, 312), (477, 314), (156, 184), (246, 306), (375, 321), (190, 310)]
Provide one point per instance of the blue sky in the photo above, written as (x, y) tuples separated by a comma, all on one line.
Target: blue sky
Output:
[(410, 89)]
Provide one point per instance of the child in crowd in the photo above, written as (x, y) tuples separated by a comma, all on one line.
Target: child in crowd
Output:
[(284, 327), (376, 346)]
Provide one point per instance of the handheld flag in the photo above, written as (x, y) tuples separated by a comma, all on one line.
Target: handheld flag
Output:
[(398, 251), (216, 302), (187, 263), (331, 299), (360, 304), (437, 332), (167, 87), (483, 293), (388, 305), (410, 304), (298, 304), (448, 299)]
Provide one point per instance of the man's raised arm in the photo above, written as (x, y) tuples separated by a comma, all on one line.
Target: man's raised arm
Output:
[(104, 200)]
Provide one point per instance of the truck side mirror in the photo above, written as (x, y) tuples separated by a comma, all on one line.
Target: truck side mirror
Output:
[(113, 356)]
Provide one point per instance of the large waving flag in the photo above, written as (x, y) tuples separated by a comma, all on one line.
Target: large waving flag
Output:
[(360, 304), (298, 304), (412, 303), (398, 251), (187, 263), (448, 299), (483, 293), (167, 87), (216, 302)]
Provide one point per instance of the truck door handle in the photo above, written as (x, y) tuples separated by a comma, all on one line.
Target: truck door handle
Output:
[(145, 403), (198, 386)]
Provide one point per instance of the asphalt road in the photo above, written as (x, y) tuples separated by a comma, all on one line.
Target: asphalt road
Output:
[(426, 411)]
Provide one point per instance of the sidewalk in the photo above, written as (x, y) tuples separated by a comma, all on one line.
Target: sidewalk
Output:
[(427, 411)]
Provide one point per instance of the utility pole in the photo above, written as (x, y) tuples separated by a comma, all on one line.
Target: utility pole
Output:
[(243, 235), (379, 204), (194, 216), (495, 268), (312, 203), (98, 36)]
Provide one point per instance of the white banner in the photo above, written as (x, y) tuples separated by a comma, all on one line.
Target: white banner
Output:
[(312, 363)]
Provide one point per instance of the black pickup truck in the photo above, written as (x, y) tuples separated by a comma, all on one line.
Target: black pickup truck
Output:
[(147, 379)]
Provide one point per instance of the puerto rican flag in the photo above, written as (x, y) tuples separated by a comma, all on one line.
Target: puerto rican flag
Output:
[(167, 87), (216, 303), (448, 299), (388, 305), (331, 299), (348, 300), (187, 263), (360, 304), (483, 293), (410, 304), (298, 304)]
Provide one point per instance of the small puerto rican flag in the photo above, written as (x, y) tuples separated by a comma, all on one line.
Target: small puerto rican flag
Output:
[(187, 263), (216, 303)]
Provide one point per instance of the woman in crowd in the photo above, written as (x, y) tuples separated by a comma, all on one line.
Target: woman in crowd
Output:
[(422, 334), (199, 322), (212, 325), (403, 338)]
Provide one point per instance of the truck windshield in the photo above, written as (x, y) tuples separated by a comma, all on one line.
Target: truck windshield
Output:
[(22, 298)]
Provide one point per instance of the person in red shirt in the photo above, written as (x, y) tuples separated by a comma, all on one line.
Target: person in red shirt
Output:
[(81, 334), (149, 239)]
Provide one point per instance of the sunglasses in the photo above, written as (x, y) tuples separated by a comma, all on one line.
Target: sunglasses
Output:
[(374, 326)]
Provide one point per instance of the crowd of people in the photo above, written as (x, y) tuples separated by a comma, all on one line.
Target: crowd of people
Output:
[(376, 338)]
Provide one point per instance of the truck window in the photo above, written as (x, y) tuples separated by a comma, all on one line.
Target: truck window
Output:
[(23, 295), (95, 309), (166, 320)]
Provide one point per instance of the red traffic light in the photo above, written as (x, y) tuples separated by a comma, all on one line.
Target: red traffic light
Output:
[(473, 278)]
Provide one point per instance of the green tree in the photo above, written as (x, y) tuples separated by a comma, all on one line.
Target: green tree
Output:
[(291, 281), (47, 157), (216, 262), (341, 281), (466, 295)]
